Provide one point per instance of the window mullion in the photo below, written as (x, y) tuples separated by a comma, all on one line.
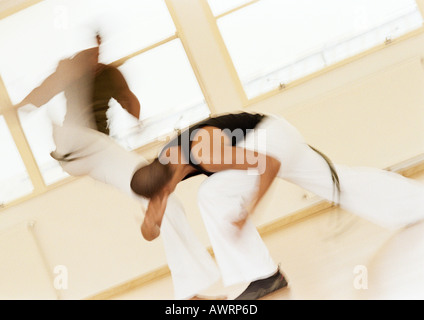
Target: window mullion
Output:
[(236, 9), (12, 120), (228, 60), (121, 61), (420, 4)]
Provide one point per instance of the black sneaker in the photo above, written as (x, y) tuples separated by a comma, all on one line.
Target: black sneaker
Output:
[(260, 288)]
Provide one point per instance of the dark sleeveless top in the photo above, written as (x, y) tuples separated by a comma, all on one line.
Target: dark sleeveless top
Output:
[(235, 125)]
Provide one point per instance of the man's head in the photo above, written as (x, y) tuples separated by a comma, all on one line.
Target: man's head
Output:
[(150, 180)]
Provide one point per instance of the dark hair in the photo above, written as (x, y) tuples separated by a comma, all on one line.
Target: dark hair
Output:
[(149, 180)]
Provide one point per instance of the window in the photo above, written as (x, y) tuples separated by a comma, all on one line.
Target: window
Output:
[(37, 126), (274, 42), (219, 7), (139, 36), (170, 96), (14, 179), (55, 29)]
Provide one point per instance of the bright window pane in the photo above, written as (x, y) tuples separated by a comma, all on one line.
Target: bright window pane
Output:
[(278, 41), (221, 6), (14, 179), (37, 126), (169, 94), (129, 25), (32, 41)]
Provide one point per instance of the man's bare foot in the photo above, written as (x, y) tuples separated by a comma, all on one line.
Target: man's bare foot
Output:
[(198, 297)]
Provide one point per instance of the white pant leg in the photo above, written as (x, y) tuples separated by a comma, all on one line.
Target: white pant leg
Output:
[(385, 198), (98, 156), (241, 254), (192, 267), (382, 197)]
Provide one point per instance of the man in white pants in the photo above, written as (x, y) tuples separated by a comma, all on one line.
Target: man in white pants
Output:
[(231, 192), (83, 146)]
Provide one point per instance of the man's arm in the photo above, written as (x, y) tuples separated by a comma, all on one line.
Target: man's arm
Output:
[(215, 153), (122, 93), (266, 166), (50, 87), (150, 229), (67, 71), (129, 102)]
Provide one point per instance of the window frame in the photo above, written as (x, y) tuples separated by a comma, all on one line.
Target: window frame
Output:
[(246, 101), (10, 113)]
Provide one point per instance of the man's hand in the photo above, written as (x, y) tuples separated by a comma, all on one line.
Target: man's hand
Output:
[(244, 215), (156, 208), (150, 228)]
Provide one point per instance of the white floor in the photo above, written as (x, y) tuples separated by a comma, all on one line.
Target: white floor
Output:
[(333, 255)]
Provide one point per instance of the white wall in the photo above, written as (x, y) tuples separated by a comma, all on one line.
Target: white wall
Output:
[(367, 112)]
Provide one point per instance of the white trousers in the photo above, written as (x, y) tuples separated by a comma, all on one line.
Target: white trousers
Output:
[(96, 155), (241, 255)]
